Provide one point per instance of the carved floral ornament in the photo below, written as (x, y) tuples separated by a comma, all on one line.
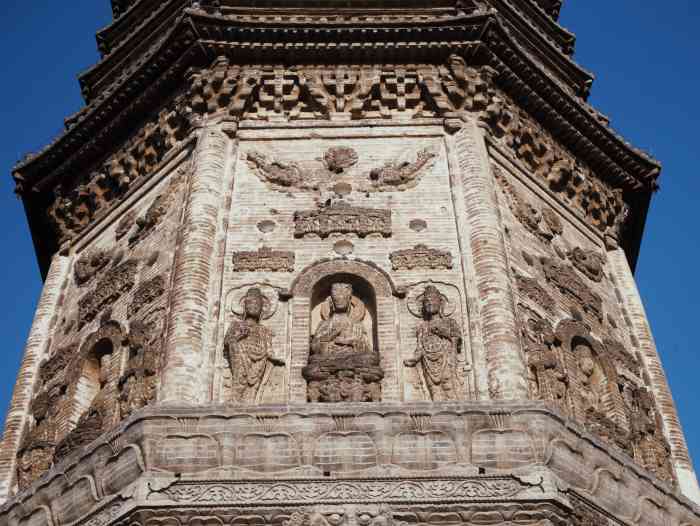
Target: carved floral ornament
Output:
[(343, 218), (421, 257), (264, 259), (335, 167)]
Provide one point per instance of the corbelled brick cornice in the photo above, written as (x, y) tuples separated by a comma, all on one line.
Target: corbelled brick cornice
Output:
[(193, 38)]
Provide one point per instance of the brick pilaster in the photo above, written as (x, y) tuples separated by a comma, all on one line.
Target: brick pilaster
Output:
[(34, 353), (505, 363), (184, 375), (659, 384)]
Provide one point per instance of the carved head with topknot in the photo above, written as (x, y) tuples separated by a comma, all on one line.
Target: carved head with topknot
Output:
[(254, 304)]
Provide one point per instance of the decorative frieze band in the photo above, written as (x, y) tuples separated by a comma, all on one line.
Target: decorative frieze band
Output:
[(318, 492), (343, 218), (264, 259), (421, 256)]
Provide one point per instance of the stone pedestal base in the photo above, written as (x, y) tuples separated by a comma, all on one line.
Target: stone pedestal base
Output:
[(366, 464), (346, 377)]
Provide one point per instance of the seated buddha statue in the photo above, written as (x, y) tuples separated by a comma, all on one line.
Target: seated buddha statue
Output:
[(342, 364), (342, 329)]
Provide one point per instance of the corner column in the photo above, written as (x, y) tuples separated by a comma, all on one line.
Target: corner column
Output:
[(682, 464), (192, 305), (505, 363), (34, 352)]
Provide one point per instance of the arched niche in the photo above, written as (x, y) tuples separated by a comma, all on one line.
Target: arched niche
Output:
[(377, 278), (92, 381), (374, 288), (362, 290), (91, 372)]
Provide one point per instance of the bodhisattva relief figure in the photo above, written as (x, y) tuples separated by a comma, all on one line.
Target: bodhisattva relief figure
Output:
[(248, 348), (342, 364), (590, 395), (439, 342)]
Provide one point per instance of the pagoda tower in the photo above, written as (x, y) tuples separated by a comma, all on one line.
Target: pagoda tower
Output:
[(340, 263)]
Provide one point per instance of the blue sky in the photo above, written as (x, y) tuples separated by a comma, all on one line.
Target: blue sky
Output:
[(644, 55)]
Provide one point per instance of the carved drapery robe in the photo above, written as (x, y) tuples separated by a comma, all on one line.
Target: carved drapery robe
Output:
[(249, 351), (340, 334), (439, 341)]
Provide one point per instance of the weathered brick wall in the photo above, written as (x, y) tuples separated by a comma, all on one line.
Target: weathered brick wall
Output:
[(570, 296), (39, 339), (262, 217), (100, 356), (164, 278)]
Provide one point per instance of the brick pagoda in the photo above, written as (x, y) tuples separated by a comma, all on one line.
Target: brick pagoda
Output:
[(340, 263)]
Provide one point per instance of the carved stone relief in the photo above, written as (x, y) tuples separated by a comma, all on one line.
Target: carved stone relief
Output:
[(649, 446), (547, 375), (34, 458), (586, 515), (439, 341), (590, 263), (81, 391), (623, 359), (590, 381), (544, 224), (421, 257), (343, 218), (335, 168), (343, 364), (343, 247), (248, 345), (145, 294), (278, 173), (139, 382), (350, 491), (531, 289), (565, 278), (36, 452), (161, 205), (91, 369), (89, 264), (264, 259), (115, 282), (402, 175), (339, 159), (418, 225), (74, 207), (595, 398)]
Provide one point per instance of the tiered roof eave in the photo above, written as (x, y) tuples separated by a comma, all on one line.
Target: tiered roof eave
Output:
[(195, 38)]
